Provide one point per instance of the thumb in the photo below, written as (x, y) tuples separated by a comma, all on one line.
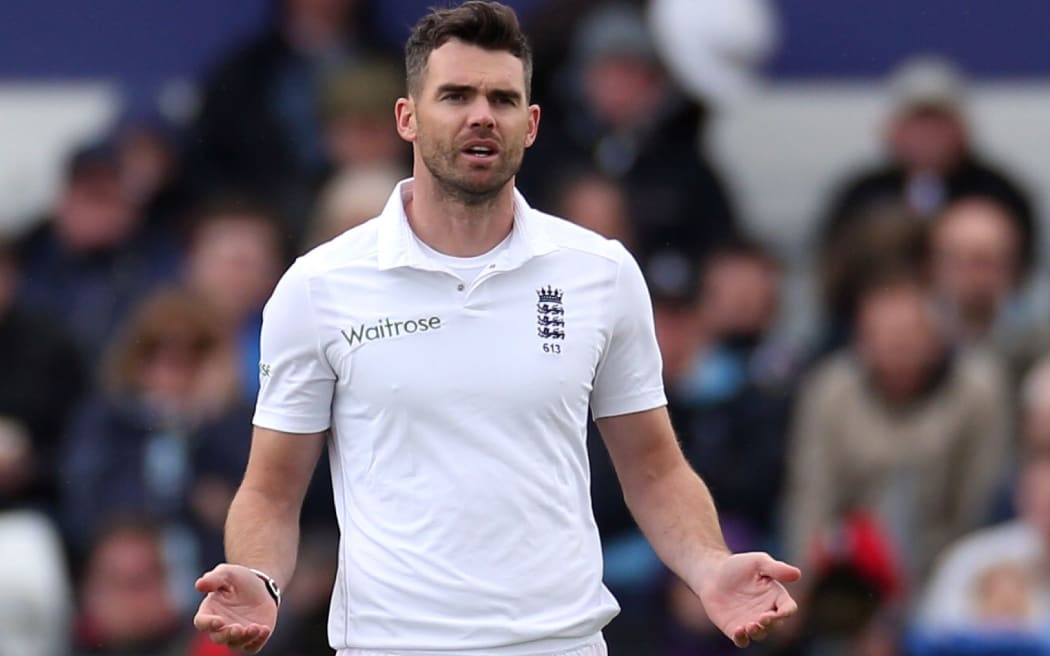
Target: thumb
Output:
[(214, 580), (780, 571)]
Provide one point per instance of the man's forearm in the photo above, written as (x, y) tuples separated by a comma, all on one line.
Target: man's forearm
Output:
[(675, 511), (263, 533)]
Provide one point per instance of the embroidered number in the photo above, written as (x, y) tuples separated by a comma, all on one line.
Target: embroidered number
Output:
[(551, 348)]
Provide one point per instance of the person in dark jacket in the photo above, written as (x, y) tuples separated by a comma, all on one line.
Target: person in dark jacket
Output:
[(42, 380), (931, 160)]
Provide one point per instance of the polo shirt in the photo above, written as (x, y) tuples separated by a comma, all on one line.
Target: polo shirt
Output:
[(458, 415)]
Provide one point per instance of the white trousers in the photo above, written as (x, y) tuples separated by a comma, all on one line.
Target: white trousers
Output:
[(597, 649)]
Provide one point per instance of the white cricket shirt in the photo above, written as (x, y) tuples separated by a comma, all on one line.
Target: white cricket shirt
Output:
[(458, 414)]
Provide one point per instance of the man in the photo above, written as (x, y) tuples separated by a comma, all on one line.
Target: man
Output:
[(452, 347), (931, 160)]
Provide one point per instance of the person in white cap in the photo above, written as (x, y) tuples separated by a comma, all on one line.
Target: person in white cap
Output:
[(451, 349), (931, 160)]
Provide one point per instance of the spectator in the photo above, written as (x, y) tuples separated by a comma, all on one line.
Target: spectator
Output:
[(996, 579), (126, 605), (235, 256), (168, 435), (356, 103), (728, 420), (976, 264), (886, 239), (597, 203), (349, 200), (258, 129), (742, 282), (931, 159), (898, 433), (149, 153), (43, 379), (619, 113), (92, 261)]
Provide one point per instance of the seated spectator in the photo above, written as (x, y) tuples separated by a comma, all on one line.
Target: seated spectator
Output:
[(126, 606), (619, 113), (356, 105), (149, 155), (977, 266), (43, 380), (167, 436), (898, 432), (884, 239), (729, 413), (931, 159), (996, 580), (234, 258), (742, 287), (348, 200), (35, 609), (90, 262), (258, 128), (596, 202)]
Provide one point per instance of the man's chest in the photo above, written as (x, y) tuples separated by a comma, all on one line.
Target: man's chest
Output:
[(509, 338)]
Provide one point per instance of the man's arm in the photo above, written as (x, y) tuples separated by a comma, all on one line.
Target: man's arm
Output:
[(668, 500), (262, 533), (262, 528), (741, 593)]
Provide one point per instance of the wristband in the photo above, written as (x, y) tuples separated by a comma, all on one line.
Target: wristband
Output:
[(271, 585)]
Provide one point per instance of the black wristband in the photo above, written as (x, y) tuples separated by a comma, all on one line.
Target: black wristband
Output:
[(271, 585)]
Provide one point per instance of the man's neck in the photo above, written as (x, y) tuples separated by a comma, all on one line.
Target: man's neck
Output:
[(454, 227)]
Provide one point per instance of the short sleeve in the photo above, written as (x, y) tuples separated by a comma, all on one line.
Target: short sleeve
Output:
[(629, 375), (296, 382)]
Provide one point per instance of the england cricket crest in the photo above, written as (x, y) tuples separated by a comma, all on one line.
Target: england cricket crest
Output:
[(550, 314)]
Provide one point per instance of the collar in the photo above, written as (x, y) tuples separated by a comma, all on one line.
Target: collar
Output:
[(398, 246)]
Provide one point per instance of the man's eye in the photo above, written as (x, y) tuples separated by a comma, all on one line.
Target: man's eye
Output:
[(455, 97)]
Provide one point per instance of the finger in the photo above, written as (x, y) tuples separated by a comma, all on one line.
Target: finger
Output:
[(740, 638), (785, 606), (206, 622), (234, 635), (781, 571), (756, 631), (257, 644)]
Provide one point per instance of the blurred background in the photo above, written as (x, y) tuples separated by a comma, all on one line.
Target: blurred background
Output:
[(840, 207)]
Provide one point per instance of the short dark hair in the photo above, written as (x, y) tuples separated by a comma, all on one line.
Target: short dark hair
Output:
[(488, 25)]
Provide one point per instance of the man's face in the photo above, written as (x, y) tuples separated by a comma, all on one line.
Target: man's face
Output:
[(471, 121), (927, 140), (898, 339), (976, 250)]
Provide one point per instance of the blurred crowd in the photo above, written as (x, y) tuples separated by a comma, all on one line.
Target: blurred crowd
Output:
[(901, 456)]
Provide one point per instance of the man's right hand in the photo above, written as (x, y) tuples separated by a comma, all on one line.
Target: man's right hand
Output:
[(238, 611)]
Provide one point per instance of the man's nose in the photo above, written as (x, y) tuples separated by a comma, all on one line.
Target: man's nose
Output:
[(481, 115)]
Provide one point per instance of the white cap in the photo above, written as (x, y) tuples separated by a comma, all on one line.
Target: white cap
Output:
[(927, 81)]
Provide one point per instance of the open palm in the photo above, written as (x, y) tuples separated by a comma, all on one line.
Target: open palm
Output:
[(744, 596), (237, 611)]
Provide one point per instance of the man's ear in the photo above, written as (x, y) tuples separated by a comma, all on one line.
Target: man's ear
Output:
[(534, 125), (405, 114)]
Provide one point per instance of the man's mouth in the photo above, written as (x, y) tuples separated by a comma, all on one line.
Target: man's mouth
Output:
[(481, 151)]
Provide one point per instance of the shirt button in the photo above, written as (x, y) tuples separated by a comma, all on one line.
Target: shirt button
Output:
[(460, 287)]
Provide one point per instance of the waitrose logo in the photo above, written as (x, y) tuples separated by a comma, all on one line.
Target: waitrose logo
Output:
[(384, 328)]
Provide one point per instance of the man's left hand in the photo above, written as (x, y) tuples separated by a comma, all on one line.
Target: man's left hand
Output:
[(744, 595)]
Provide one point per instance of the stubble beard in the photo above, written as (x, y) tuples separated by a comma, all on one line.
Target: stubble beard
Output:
[(442, 164)]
